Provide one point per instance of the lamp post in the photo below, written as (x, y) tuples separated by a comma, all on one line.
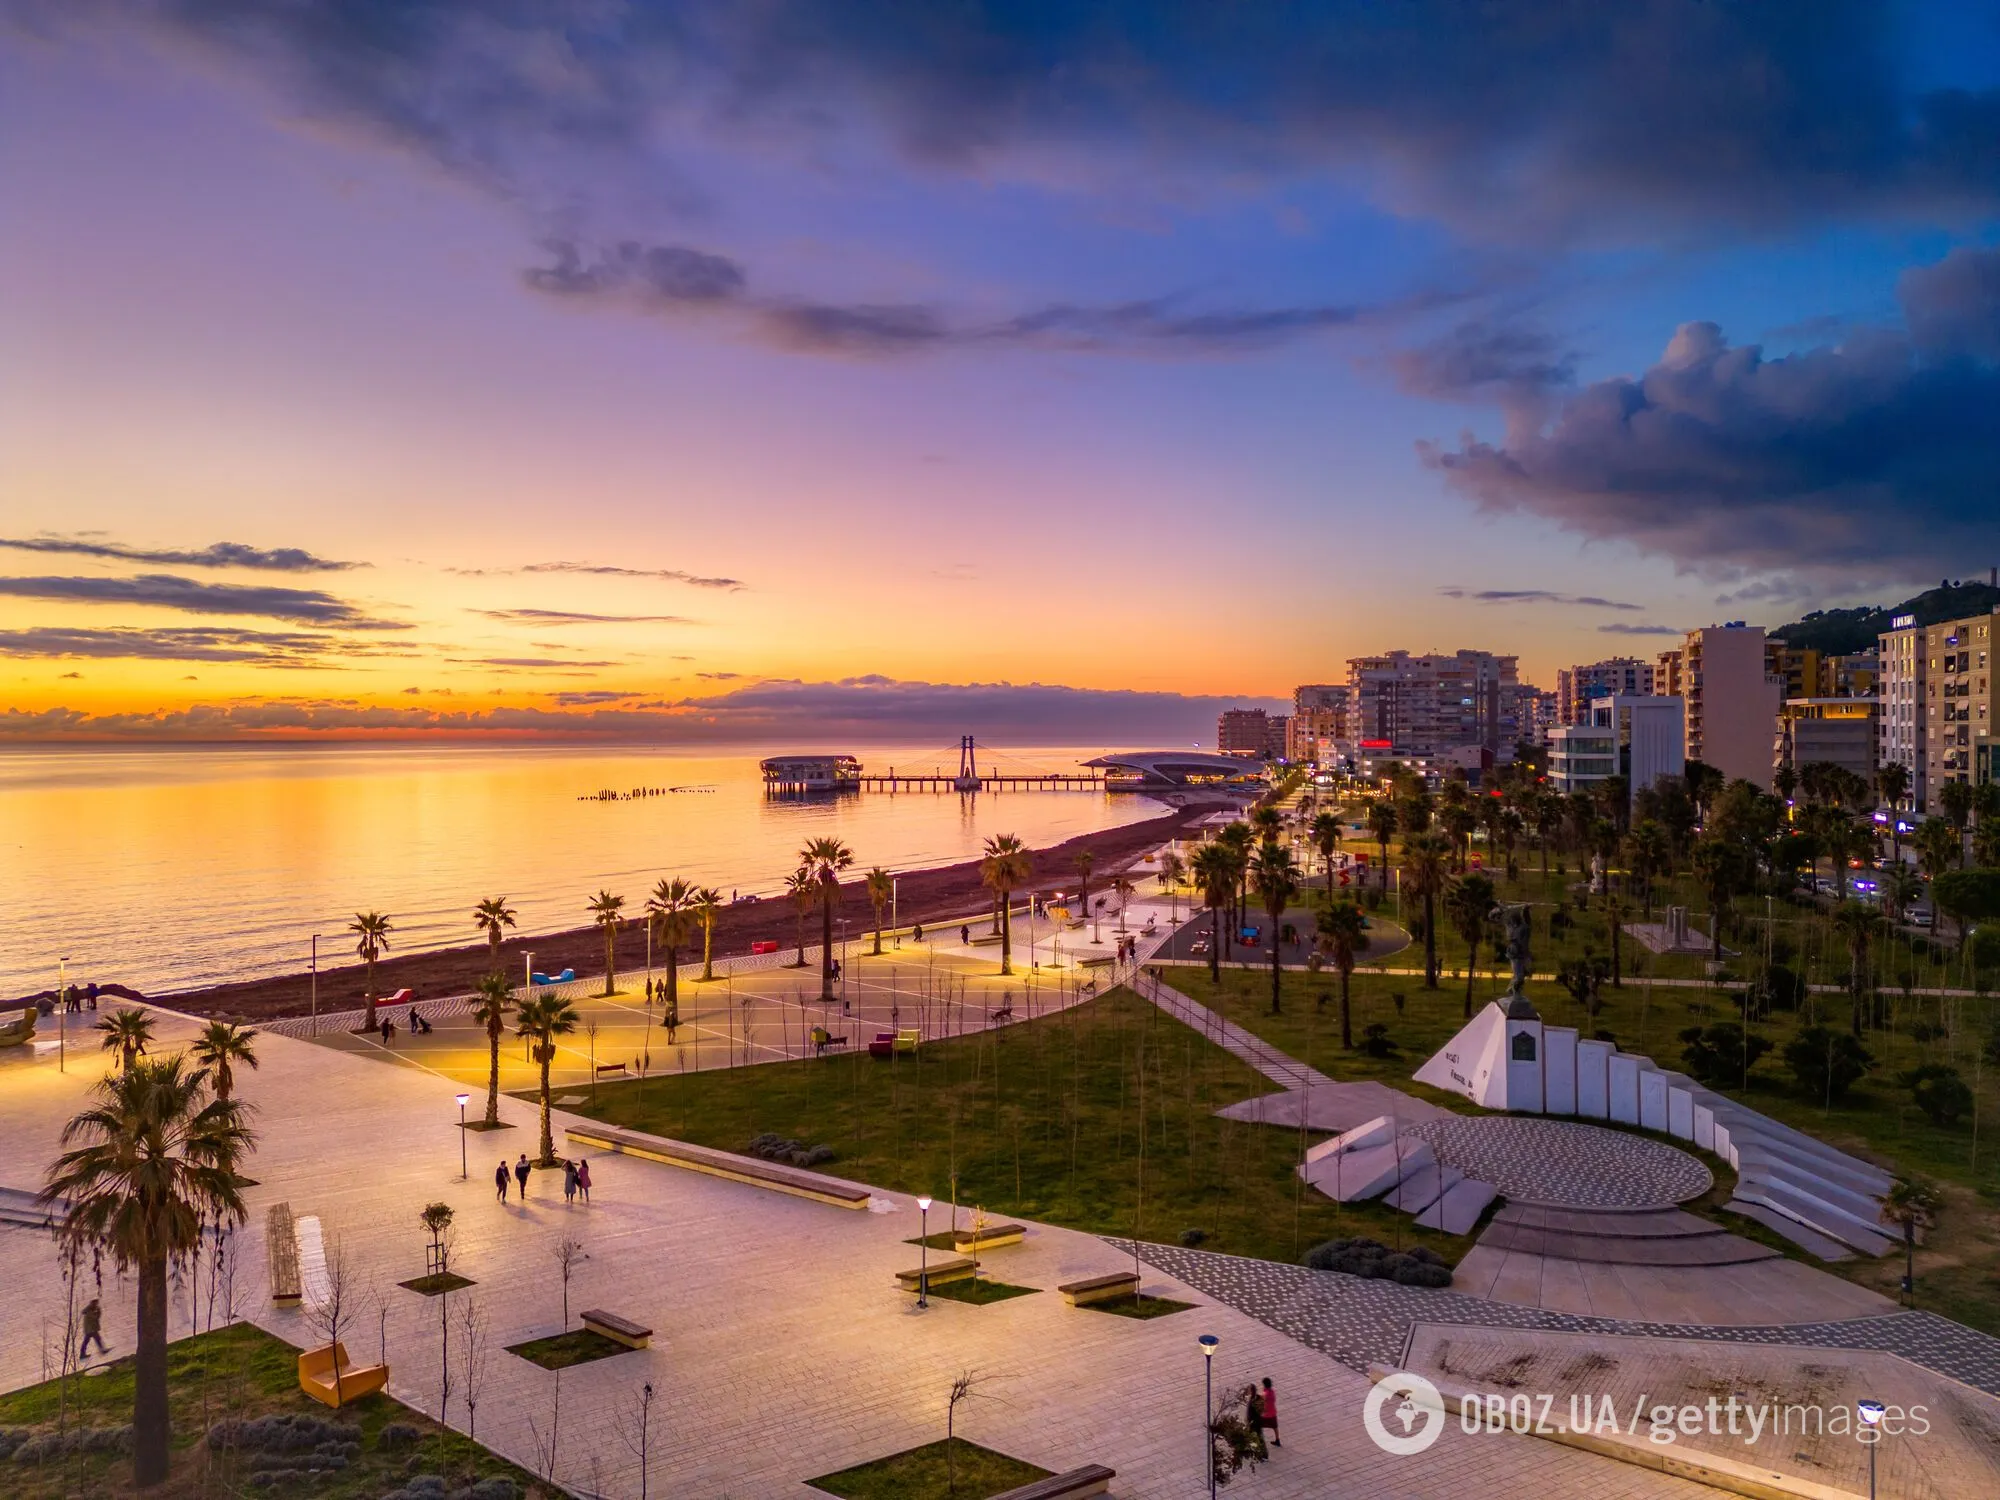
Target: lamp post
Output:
[(1209, 1344), (527, 973), (464, 1171), (315, 986), (62, 1014), (1870, 1413), (923, 1250)]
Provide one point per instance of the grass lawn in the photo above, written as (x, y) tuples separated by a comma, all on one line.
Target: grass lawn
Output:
[(433, 1286), (978, 1290), (237, 1372), (1138, 1307), (1099, 1118), (561, 1350), (922, 1473)]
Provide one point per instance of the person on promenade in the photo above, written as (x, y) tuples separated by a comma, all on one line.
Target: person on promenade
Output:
[(521, 1175), (917, 933), (569, 1182), (1267, 1411), (90, 993), (500, 1180), (672, 1020), (93, 1328), (965, 936), (583, 1181)]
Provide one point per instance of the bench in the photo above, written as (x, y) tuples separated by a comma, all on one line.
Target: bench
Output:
[(764, 945), (986, 940), (1091, 1479), (987, 1238), (622, 1330), (618, 1067), (883, 1045), (937, 1271), (906, 1040), (765, 1174), (316, 1376), (1096, 961), (823, 1039), (1100, 1288), (281, 1248)]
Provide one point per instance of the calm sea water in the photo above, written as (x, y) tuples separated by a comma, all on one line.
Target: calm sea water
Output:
[(172, 868)]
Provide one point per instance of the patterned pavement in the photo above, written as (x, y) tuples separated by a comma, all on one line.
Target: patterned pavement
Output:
[(1559, 1161)]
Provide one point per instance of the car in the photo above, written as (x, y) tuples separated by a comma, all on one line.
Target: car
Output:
[(1199, 946), (1922, 916)]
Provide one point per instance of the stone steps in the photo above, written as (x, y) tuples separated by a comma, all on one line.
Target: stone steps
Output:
[(1809, 1240), (1638, 1239)]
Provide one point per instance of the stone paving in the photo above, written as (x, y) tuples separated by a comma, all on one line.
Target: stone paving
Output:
[(1535, 1160)]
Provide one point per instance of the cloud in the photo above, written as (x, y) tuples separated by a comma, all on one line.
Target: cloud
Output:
[(720, 676), (1872, 457), (585, 699), (1535, 596), (526, 661), (215, 555), (669, 575), (1516, 366), (167, 591), (571, 617), (268, 648), (1620, 628)]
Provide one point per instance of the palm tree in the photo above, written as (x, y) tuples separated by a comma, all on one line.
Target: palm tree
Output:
[(1986, 843), (708, 912), (1892, 781), (1266, 822), (1617, 912), (825, 859), (1900, 887), (128, 1032), (1382, 823), (804, 892), (607, 911), (1718, 865), (1911, 1205), (1215, 875), (221, 1047), (1124, 890), (152, 1161), (1785, 781), (671, 911), (373, 929), (1424, 858), (1859, 924), (1648, 852), (1937, 844), (1276, 880), (1458, 820), (1083, 862), (1343, 933), (1005, 865), (493, 916), (1237, 839), (1468, 901), (881, 885), (1955, 798), (541, 1020), (495, 999), (1326, 839)]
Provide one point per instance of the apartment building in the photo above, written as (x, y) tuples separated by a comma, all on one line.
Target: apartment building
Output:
[(1642, 738), (1252, 733), (1899, 721), (1617, 677), (1319, 722), (1720, 672), (1958, 699), (1424, 706), (1837, 731), (1541, 712)]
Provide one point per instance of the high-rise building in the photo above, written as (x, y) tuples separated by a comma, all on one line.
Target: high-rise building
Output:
[(1319, 722), (1422, 706), (1732, 701), (1642, 738), (1542, 710), (1836, 731), (1798, 667), (1899, 722), (1252, 733), (1958, 699), (1617, 677)]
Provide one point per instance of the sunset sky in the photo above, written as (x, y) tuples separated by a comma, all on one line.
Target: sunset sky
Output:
[(722, 370)]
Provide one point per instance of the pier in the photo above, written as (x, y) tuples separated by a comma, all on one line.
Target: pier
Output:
[(796, 774)]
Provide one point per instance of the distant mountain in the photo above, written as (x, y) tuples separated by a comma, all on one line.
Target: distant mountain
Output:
[(1841, 632)]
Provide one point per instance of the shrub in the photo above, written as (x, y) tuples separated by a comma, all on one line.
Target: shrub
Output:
[(1376, 1041), (284, 1432), (771, 1146), (1827, 1063), (398, 1435), (1777, 988), (1376, 1261), (1939, 1091), (1193, 1237), (1721, 1053)]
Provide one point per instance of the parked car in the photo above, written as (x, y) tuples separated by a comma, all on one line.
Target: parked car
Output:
[(1922, 916)]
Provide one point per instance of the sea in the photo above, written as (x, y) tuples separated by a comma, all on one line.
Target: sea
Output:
[(170, 868)]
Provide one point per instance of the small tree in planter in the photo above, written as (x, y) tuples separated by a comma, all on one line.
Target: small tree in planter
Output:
[(568, 1255), (1235, 1441), (437, 1218)]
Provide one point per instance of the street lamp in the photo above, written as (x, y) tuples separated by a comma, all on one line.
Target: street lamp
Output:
[(1209, 1344), (463, 1170), (923, 1250), (1870, 1413), (315, 986)]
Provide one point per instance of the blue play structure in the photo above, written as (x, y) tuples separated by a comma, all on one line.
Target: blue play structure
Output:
[(563, 978)]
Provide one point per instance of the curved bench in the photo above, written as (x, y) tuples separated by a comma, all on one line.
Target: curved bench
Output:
[(765, 1174), (1091, 1479)]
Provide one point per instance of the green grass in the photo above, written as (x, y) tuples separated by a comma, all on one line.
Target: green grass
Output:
[(1041, 1120), (1138, 1307), (978, 1290), (922, 1473), (561, 1350), (234, 1372), (432, 1286)]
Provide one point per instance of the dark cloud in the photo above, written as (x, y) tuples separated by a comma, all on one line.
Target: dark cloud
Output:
[(1619, 628), (585, 699), (1518, 366), (1535, 596), (668, 575), (1515, 120), (1873, 457), (650, 275), (215, 555), (572, 617), (526, 661), (719, 676), (167, 591), (263, 647)]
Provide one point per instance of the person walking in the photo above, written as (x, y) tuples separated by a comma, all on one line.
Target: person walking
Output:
[(500, 1180), (521, 1175), (90, 993), (965, 937), (1267, 1412), (93, 1328), (583, 1181), (569, 1182)]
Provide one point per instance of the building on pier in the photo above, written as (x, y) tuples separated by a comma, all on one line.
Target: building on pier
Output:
[(811, 773)]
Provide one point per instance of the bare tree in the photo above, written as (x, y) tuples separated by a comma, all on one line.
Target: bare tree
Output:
[(569, 1254), (962, 1389), (635, 1427), (472, 1359), (545, 1442), (344, 1305), (444, 1357)]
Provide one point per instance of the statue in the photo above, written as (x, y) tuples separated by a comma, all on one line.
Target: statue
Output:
[(1520, 933)]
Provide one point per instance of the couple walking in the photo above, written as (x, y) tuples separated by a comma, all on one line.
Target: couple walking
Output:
[(576, 1179)]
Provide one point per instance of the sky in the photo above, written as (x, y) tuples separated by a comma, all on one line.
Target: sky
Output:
[(721, 372)]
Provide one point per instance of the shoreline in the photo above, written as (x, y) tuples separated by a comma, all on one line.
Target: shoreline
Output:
[(924, 896)]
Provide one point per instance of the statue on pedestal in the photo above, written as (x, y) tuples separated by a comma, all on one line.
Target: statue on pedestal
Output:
[(1520, 934)]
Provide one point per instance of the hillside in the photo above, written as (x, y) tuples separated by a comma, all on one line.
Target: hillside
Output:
[(1839, 632)]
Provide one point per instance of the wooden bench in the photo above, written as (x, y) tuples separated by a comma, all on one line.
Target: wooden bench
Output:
[(617, 1067), (623, 1330), (316, 1376), (985, 1239), (281, 1249), (823, 1039), (937, 1271), (1100, 1288), (1091, 1479), (766, 1174), (1096, 961)]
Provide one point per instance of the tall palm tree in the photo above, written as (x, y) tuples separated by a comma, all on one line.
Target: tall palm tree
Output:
[(607, 911), (804, 893), (493, 916), (1267, 823), (1215, 875), (1955, 798), (1458, 820), (495, 997), (1425, 856), (153, 1159), (1468, 901), (221, 1047), (129, 1033), (540, 1021), (1892, 781), (881, 885), (373, 929), (1382, 823), (1986, 843), (707, 912), (1860, 925), (1937, 844), (1719, 867), (1648, 852), (1343, 933), (1326, 839), (1237, 839), (1005, 865), (671, 911), (1083, 862), (1276, 881), (826, 858), (1911, 1205)]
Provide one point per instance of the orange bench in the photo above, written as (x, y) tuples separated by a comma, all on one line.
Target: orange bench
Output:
[(316, 1376)]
